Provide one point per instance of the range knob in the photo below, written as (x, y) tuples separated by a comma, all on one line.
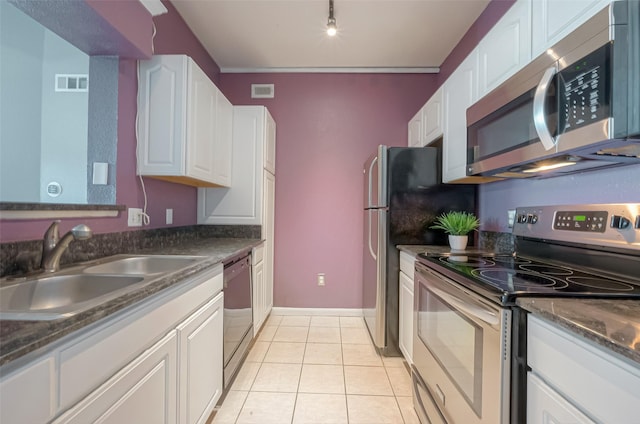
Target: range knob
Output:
[(522, 219), (620, 222), (532, 219)]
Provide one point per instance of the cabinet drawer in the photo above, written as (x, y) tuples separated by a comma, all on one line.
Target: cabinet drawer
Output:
[(117, 342), (407, 264), (602, 385)]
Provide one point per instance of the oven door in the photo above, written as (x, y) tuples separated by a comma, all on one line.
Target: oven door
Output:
[(461, 352)]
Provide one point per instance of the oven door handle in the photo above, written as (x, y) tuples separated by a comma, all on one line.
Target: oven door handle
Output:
[(484, 314)]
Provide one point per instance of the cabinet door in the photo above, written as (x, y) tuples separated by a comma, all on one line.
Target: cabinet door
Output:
[(223, 143), (201, 124), (432, 118), (270, 144), (259, 297), (414, 130), (406, 317), (242, 203), (200, 358), (268, 236), (554, 19), (459, 92), (142, 392), (506, 48), (162, 103), (35, 383), (546, 406)]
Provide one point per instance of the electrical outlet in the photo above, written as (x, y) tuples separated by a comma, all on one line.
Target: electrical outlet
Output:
[(321, 279), (169, 216), (135, 217), (511, 217)]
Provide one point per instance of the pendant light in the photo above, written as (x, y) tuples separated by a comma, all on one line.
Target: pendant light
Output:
[(332, 28)]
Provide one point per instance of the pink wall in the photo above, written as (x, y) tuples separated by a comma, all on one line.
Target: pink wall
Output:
[(327, 125), (173, 36)]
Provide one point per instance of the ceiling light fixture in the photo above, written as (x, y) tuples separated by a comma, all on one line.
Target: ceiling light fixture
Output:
[(332, 28)]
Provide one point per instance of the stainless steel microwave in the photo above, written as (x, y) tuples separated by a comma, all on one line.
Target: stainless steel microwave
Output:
[(575, 107)]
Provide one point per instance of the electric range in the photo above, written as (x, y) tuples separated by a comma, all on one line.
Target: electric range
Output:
[(469, 344), (564, 251)]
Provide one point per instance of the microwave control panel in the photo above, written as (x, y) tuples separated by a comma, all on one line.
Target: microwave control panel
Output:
[(585, 90)]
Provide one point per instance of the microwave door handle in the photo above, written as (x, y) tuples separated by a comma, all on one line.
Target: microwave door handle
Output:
[(539, 112), (488, 316)]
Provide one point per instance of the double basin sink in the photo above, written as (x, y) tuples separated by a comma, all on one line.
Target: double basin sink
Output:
[(68, 292)]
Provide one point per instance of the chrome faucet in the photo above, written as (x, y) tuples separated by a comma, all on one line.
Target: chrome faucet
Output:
[(53, 246)]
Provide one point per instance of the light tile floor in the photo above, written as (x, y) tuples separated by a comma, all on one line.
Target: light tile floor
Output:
[(318, 370)]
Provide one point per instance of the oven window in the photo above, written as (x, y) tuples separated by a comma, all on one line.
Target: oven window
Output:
[(455, 342)]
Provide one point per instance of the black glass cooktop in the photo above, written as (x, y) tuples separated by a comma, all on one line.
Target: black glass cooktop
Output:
[(512, 276)]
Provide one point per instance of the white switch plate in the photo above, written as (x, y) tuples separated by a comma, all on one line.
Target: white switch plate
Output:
[(100, 173), (135, 217), (511, 217), (321, 279), (169, 216)]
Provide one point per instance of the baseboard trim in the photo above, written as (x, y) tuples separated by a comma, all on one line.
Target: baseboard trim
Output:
[(344, 312)]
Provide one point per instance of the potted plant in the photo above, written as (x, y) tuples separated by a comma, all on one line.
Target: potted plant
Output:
[(457, 225)]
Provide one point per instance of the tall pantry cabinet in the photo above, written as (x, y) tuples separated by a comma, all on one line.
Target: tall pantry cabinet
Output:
[(251, 199)]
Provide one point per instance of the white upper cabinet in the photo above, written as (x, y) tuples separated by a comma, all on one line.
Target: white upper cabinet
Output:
[(432, 118), (459, 92), (184, 124), (415, 132), (554, 19), (506, 48), (253, 155), (426, 125)]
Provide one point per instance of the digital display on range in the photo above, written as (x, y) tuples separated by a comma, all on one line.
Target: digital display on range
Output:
[(590, 221)]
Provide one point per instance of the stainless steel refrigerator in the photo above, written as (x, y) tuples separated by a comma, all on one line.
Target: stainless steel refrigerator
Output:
[(403, 195)]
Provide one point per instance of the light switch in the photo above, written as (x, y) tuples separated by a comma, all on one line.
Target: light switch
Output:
[(100, 173)]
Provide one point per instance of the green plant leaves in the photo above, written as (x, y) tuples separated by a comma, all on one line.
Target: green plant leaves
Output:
[(456, 223)]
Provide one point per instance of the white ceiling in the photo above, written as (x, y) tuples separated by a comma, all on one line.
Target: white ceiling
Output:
[(264, 35)]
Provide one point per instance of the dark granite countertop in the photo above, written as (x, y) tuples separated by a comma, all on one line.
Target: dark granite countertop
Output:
[(415, 250), (17, 338), (612, 324)]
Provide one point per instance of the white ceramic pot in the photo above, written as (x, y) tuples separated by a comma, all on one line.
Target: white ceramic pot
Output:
[(458, 242)]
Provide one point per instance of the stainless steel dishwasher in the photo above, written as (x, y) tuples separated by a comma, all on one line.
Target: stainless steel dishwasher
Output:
[(238, 315)]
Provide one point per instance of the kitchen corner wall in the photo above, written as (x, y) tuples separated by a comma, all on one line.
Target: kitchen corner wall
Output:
[(172, 37), (327, 126)]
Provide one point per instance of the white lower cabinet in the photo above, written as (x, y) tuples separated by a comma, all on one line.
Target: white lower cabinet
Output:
[(573, 380), (156, 362), (142, 392), (545, 405), (405, 307), (259, 290), (200, 358), (35, 383)]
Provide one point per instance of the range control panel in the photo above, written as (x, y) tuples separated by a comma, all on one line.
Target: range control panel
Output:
[(581, 221), (613, 224)]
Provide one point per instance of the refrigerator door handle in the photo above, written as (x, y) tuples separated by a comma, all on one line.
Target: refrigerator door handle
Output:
[(370, 185), (371, 252)]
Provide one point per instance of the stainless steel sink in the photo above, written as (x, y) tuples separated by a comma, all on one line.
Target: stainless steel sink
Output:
[(60, 295), (46, 297), (143, 265)]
